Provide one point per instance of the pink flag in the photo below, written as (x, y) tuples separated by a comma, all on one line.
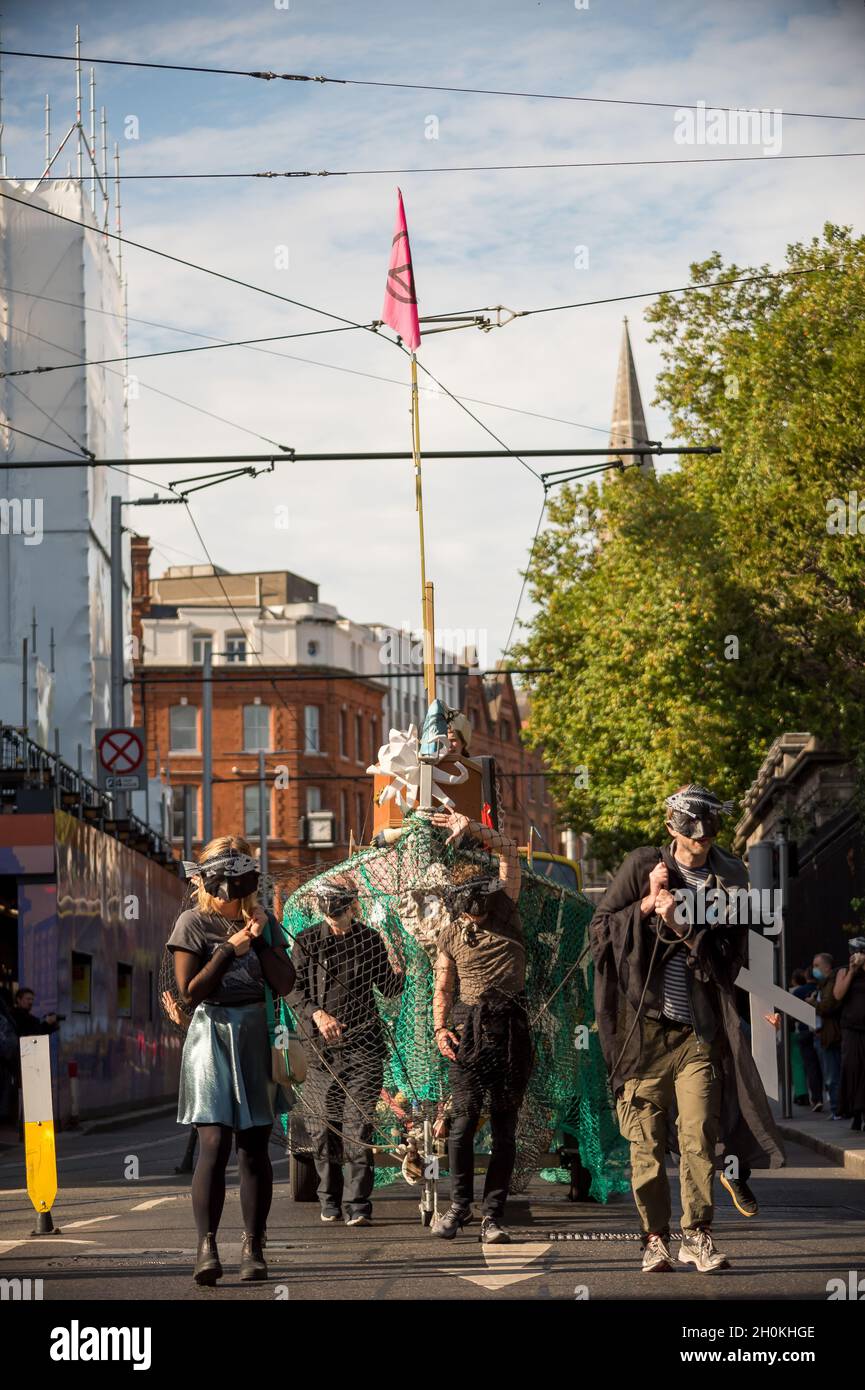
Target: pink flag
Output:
[(400, 297)]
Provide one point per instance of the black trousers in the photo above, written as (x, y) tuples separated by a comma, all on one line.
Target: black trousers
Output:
[(811, 1063), (340, 1093), (500, 1066)]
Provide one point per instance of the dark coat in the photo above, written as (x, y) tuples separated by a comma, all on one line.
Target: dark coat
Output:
[(622, 943)]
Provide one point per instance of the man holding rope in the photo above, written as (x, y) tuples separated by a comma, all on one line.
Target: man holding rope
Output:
[(665, 970), (338, 960), (485, 1034)]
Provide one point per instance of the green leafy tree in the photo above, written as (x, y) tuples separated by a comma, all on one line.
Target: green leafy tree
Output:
[(693, 616)]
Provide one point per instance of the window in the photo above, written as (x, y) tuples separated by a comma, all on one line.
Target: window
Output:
[(178, 811), (313, 800), (359, 822), (201, 642), (343, 816), (124, 990), (312, 742), (506, 731), (312, 649), (82, 967), (256, 727), (530, 787), (235, 647), (183, 729), (373, 740), (343, 734), (251, 822), (358, 737)]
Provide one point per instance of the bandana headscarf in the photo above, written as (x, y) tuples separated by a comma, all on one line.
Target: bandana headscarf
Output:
[(232, 875)]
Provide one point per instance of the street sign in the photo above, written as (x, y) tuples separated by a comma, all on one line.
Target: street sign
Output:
[(121, 761)]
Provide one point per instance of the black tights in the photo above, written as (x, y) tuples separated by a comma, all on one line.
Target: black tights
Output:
[(256, 1177)]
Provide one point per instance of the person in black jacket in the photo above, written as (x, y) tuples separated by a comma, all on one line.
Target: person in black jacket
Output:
[(668, 1025), (338, 961)]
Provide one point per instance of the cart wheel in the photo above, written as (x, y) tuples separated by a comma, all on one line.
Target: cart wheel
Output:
[(302, 1178), (425, 1217)]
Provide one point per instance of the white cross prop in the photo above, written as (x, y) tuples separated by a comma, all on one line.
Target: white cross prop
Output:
[(758, 978)]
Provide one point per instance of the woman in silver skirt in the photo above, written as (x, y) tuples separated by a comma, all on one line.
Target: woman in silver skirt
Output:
[(221, 964)]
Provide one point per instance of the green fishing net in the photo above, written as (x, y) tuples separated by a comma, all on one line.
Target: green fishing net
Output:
[(567, 1101)]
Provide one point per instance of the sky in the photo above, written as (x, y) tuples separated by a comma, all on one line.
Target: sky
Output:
[(478, 239)]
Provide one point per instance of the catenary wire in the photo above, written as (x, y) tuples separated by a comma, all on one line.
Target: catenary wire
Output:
[(415, 86), (452, 168), (308, 361)]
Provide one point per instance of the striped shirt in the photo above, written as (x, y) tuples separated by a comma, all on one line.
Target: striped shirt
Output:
[(675, 1000)]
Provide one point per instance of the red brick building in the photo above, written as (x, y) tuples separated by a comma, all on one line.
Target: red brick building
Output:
[(290, 678), (319, 728), (525, 793)]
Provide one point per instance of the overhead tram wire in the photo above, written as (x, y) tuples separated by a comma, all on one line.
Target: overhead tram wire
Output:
[(454, 168), (293, 357), (178, 400), (372, 327), (86, 457), (193, 265), (268, 76)]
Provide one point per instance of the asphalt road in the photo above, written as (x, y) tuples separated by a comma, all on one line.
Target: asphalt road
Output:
[(132, 1238)]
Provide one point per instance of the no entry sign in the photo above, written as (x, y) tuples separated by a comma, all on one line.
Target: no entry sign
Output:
[(120, 759)]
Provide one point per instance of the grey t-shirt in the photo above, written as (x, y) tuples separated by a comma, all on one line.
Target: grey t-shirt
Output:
[(202, 933)]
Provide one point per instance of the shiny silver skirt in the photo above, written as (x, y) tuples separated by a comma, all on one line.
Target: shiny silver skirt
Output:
[(225, 1068)]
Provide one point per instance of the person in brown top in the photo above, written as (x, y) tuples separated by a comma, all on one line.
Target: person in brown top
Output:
[(481, 1023)]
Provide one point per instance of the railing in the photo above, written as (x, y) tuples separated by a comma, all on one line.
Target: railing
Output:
[(23, 761)]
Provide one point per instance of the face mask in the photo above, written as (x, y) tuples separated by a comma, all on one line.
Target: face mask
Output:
[(818, 973), (233, 888)]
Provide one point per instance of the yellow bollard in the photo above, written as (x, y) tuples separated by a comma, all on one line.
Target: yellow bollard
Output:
[(39, 1148)]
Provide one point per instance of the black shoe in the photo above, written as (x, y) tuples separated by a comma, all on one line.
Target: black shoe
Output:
[(492, 1233), (743, 1198), (452, 1221), (252, 1264), (207, 1267), (856, 1126)]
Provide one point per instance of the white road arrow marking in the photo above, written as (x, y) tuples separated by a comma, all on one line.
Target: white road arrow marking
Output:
[(508, 1262)]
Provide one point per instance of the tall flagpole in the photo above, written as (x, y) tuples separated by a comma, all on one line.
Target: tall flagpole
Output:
[(427, 603)]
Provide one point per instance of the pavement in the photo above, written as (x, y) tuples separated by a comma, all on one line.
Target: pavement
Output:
[(834, 1139), (126, 1233)]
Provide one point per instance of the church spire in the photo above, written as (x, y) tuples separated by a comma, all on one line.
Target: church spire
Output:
[(628, 426)]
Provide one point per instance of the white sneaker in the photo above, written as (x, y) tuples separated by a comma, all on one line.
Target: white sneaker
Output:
[(698, 1249), (656, 1256), (359, 1220)]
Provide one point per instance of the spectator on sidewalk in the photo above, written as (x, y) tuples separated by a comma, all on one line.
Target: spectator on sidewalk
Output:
[(807, 1076), (849, 990), (26, 1022), (828, 1028)]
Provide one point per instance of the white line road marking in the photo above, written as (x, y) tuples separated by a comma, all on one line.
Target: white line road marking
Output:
[(91, 1221), (131, 1147), (42, 1240), (154, 1202)]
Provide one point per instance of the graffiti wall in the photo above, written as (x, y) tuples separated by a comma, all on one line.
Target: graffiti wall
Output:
[(91, 936)]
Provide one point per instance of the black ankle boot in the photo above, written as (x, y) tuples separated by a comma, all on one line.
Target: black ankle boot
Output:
[(207, 1267), (252, 1264)]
